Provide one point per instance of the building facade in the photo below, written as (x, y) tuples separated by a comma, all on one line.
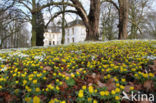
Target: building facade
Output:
[(74, 32), (52, 36)]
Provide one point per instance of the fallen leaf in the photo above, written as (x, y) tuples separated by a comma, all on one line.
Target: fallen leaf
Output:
[(47, 68), (63, 86), (110, 84), (101, 84), (148, 85), (66, 74), (138, 87)]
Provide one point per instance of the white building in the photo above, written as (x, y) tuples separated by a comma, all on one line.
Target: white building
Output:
[(52, 36), (74, 32)]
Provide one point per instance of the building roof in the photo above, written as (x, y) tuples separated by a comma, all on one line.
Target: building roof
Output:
[(75, 22), (57, 29), (54, 29)]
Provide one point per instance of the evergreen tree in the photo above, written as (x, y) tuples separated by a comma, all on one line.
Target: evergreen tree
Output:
[(39, 27)]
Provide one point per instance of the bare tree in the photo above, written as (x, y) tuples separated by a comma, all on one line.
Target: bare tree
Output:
[(122, 7), (10, 22), (108, 22), (137, 15)]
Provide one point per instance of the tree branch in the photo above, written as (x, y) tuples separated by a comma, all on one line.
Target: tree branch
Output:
[(25, 5), (54, 3), (112, 2), (57, 14)]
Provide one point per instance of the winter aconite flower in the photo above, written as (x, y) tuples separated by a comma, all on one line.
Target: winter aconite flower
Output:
[(84, 87), (80, 94), (0, 87), (102, 93), (95, 72), (36, 99), (27, 99), (34, 81), (117, 97), (91, 89)]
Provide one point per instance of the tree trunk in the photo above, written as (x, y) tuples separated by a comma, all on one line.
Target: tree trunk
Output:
[(92, 34), (33, 23), (123, 18), (93, 23), (33, 38), (63, 24)]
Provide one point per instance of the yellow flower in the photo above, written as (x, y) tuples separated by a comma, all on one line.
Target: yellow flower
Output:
[(123, 80), (107, 93), (17, 82), (36, 99), (29, 90), (122, 87), (102, 93), (80, 94), (133, 69), (117, 84), (1, 87), (131, 88), (145, 75), (108, 76), (89, 99), (54, 74), (27, 99), (37, 89), (50, 87), (95, 101), (44, 78), (113, 92), (24, 82), (136, 75), (77, 73), (117, 97), (57, 88), (91, 89), (63, 102), (30, 79), (39, 75), (67, 78), (84, 71), (95, 90), (117, 90), (84, 87), (151, 74), (34, 81), (52, 101), (72, 75), (14, 74)]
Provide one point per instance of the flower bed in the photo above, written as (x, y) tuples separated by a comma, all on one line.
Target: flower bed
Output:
[(82, 73)]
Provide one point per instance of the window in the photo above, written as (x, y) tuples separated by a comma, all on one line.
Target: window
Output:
[(53, 36), (68, 40), (53, 42), (68, 32), (72, 31), (73, 40), (49, 42)]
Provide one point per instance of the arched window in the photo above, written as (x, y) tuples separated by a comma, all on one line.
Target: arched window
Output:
[(73, 40), (49, 42), (68, 40)]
